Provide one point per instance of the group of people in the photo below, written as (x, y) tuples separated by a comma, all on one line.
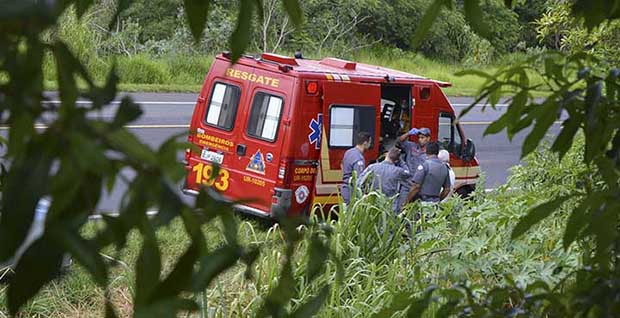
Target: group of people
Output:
[(424, 175)]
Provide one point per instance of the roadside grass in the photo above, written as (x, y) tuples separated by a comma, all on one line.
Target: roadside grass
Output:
[(462, 240), (185, 73)]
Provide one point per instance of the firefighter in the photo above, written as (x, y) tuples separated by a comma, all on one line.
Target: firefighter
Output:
[(415, 151), (388, 174), (444, 156), (431, 180), (353, 160), (415, 154)]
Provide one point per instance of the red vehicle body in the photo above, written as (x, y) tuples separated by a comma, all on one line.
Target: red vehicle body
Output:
[(279, 126)]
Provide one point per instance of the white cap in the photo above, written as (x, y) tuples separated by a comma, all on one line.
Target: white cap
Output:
[(444, 155)]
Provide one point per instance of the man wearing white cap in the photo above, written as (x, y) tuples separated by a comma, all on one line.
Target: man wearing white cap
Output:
[(444, 156)]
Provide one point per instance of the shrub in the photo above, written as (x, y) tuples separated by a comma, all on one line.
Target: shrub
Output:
[(141, 69)]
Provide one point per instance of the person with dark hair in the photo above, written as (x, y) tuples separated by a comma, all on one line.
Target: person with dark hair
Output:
[(431, 181), (386, 176), (353, 160), (415, 154)]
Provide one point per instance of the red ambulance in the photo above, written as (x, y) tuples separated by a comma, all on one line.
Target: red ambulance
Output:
[(278, 127)]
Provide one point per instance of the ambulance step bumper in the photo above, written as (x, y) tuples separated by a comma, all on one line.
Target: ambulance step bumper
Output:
[(238, 207)]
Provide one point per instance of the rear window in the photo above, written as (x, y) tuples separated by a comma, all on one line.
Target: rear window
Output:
[(347, 121), (265, 116), (223, 106)]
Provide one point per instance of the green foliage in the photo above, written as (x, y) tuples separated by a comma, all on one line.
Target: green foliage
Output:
[(567, 33), (158, 19), (140, 69)]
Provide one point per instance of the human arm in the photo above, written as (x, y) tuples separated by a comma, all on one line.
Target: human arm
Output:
[(447, 185), (413, 192), (418, 179), (405, 136)]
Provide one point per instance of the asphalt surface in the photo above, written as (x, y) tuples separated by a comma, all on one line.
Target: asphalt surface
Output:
[(169, 114)]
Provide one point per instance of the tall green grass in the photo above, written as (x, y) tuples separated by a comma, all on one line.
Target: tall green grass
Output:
[(382, 256)]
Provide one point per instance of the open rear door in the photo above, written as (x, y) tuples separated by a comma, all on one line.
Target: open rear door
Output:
[(348, 108)]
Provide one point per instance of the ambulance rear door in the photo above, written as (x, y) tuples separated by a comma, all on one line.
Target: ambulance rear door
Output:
[(264, 123), (348, 108)]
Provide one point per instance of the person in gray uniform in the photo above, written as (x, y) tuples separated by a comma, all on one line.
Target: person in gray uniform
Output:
[(431, 181), (353, 160), (386, 174), (415, 154)]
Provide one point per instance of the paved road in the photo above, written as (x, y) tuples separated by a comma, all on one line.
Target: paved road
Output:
[(166, 115)]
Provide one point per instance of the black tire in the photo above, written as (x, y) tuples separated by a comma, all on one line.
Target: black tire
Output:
[(465, 191)]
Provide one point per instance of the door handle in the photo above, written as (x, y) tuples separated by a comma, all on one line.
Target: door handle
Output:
[(241, 148)]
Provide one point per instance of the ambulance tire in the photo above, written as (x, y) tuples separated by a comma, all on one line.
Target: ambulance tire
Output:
[(465, 191)]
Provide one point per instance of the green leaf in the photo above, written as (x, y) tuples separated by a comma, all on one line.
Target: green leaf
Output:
[(431, 14), (278, 298), (85, 252), (196, 12), (536, 215), (594, 120), (475, 17), (169, 307), (148, 265), (517, 104), (564, 141), (127, 112), (399, 302), (419, 306), (545, 116), (294, 11), (180, 278), (170, 205), (312, 306), (240, 38), (30, 172), (317, 257), (128, 144), (498, 125), (215, 263), (106, 94), (478, 73), (36, 267)]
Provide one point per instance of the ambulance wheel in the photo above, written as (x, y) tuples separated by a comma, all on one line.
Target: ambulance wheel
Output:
[(465, 191)]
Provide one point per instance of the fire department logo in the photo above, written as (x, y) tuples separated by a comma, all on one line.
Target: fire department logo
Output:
[(257, 163), (315, 131), (301, 194)]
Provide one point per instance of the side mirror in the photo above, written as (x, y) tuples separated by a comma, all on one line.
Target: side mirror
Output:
[(469, 152)]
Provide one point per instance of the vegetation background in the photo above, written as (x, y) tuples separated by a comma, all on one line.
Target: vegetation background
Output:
[(154, 49), (546, 245)]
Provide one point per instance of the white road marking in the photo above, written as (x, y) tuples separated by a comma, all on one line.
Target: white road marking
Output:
[(172, 126), (116, 102), (38, 126), (116, 214), (479, 105)]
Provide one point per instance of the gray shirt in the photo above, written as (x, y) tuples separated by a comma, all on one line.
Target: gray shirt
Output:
[(432, 175), (353, 160), (390, 176), (415, 154)]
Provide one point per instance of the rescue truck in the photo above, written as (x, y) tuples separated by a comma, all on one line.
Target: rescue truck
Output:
[(278, 127)]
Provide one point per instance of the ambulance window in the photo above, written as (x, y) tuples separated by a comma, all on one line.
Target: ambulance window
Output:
[(265, 116), (347, 121), (223, 106), (449, 135)]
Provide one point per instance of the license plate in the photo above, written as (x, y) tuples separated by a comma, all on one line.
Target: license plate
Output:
[(212, 156)]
